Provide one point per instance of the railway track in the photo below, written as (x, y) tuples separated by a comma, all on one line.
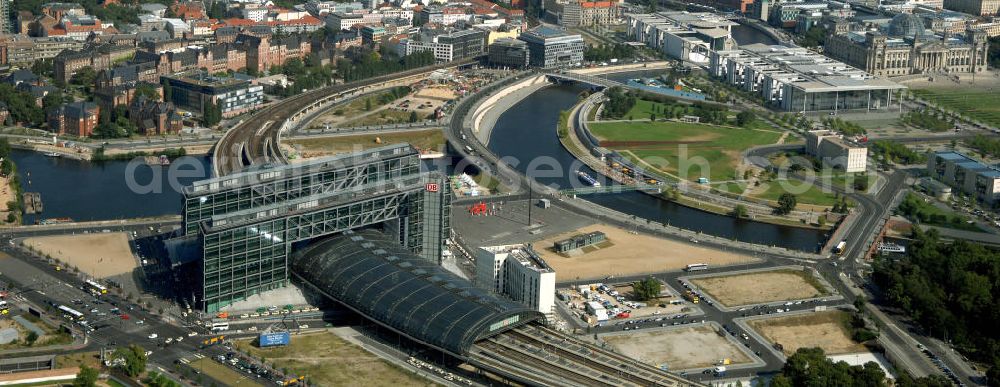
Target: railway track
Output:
[(522, 358), (629, 369), (256, 140)]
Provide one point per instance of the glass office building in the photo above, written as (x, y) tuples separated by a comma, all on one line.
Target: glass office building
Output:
[(246, 223)]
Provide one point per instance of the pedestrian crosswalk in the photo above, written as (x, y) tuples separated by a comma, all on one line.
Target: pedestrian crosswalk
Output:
[(185, 360), (200, 356)]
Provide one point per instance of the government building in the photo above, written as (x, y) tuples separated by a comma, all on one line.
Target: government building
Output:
[(905, 48)]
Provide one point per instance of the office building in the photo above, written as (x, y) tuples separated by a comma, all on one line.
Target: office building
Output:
[(6, 26), (682, 35), (905, 48), (970, 176), (508, 52), (263, 52), (446, 47), (518, 273), (97, 57), (245, 224), (21, 49), (796, 79), (834, 151), (549, 47), (196, 89), (579, 13), (974, 7)]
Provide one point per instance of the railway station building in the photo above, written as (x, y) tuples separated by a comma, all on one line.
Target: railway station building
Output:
[(246, 224)]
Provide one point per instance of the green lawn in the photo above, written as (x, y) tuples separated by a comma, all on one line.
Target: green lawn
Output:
[(711, 151), (329, 360), (813, 195), (978, 103)]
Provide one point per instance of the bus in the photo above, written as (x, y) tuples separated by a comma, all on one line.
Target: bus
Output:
[(74, 315), (97, 287), (840, 247), (696, 267), (220, 326)]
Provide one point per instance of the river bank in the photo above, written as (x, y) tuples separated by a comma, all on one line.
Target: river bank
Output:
[(570, 140)]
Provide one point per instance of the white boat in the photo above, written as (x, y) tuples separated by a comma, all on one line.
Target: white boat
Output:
[(588, 179), (53, 154)]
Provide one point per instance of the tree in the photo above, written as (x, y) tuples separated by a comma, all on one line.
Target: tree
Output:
[(31, 338), (134, 358), (147, 90), (993, 375), (786, 203), (168, 91), (87, 377), (85, 77), (859, 303), (646, 289), (413, 116), (211, 114), (745, 118), (368, 104), (740, 211)]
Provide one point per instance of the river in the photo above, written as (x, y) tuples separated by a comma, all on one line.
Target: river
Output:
[(83, 191), (525, 133)]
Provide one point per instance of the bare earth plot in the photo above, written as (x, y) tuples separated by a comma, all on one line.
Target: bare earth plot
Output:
[(100, 255), (332, 361), (679, 349), (760, 287), (631, 254), (826, 330)]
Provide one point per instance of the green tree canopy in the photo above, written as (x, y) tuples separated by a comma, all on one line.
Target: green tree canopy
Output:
[(87, 377), (646, 289), (786, 203)]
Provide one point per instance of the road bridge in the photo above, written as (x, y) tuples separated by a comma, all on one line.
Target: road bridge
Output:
[(612, 188)]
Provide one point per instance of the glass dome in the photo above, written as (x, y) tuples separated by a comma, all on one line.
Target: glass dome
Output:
[(906, 24)]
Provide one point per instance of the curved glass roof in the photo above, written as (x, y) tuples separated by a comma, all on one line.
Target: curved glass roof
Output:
[(372, 274)]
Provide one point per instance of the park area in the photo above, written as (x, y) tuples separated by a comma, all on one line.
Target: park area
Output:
[(979, 103), (424, 140), (100, 255), (685, 348), (631, 254), (761, 287), (827, 330), (329, 360), (708, 150)]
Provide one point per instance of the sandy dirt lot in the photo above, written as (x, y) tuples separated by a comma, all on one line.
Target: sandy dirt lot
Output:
[(760, 287), (631, 254), (6, 195), (99, 255), (823, 329), (680, 349)]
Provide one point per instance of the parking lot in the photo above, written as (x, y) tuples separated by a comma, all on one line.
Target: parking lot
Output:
[(622, 308)]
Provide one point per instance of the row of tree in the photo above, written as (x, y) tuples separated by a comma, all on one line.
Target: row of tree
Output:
[(363, 63), (923, 118), (846, 127), (895, 152), (985, 145), (810, 367), (606, 52)]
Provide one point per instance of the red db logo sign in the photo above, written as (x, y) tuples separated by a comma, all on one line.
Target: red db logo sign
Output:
[(431, 187)]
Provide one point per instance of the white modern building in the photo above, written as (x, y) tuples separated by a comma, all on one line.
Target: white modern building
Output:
[(682, 35), (837, 152), (796, 79), (518, 273), (968, 175)]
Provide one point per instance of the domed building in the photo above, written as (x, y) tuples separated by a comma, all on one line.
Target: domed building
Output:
[(906, 24)]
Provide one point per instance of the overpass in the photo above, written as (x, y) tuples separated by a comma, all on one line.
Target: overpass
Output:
[(415, 298), (564, 76), (612, 188)]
